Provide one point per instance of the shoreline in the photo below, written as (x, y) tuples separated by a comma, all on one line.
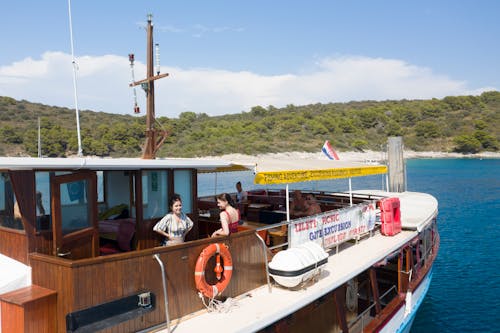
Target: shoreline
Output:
[(366, 156), (350, 156)]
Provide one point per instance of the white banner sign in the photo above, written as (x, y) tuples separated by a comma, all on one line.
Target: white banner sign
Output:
[(333, 227)]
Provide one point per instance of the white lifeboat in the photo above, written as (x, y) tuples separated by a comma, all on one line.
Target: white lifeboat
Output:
[(298, 264), (18, 276)]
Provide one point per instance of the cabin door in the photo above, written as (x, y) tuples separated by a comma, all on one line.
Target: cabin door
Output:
[(74, 215)]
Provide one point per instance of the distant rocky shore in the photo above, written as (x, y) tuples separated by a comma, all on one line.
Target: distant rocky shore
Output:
[(362, 156)]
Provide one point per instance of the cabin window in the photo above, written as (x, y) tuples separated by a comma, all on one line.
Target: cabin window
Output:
[(100, 186), (115, 193), (351, 300), (75, 208), (387, 276), (184, 187), (426, 244), (42, 186), (10, 216), (154, 193)]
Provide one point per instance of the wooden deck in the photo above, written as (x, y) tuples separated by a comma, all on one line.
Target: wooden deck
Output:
[(85, 283)]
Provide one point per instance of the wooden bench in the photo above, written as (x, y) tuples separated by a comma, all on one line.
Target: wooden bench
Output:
[(29, 309)]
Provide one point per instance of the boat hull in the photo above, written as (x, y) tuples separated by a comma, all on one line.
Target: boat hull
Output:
[(403, 319)]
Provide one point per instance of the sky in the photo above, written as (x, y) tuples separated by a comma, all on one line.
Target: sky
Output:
[(228, 56)]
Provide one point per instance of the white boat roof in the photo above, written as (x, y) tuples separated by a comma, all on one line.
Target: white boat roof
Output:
[(417, 209), (92, 163), (258, 308)]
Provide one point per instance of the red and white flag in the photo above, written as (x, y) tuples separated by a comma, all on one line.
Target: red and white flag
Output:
[(329, 151)]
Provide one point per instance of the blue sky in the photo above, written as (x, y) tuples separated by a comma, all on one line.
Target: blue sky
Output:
[(227, 56)]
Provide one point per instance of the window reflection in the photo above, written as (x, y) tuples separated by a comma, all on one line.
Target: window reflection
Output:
[(10, 216), (75, 208), (42, 186), (154, 193), (183, 187)]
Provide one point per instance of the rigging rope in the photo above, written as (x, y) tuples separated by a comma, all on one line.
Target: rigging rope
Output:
[(214, 305)]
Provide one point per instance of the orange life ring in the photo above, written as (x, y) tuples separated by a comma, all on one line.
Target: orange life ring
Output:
[(223, 274)]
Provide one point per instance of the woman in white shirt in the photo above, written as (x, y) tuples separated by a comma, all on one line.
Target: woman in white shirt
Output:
[(175, 225)]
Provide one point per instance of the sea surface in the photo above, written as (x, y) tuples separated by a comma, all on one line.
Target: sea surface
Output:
[(464, 295)]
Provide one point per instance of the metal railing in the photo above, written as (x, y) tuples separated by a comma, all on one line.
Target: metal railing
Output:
[(165, 295), (362, 315), (288, 224)]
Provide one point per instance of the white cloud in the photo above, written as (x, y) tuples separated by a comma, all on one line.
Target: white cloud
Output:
[(103, 84), (169, 28), (197, 30)]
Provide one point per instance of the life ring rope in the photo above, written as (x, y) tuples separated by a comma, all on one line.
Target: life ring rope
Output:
[(223, 272)]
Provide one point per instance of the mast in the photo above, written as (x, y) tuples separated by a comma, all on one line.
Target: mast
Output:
[(39, 140), (75, 67), (154, 137)]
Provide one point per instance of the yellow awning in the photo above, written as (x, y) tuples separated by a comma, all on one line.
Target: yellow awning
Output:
[(286, 171), (294, 176)]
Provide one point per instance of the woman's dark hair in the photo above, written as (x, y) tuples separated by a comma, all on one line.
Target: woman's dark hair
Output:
[(226, 197), (175, 197)]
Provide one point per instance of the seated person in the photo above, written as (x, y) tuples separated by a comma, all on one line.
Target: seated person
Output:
[(313, 206), (241, 196), (241, 199), (229, 216), (175, 225), (298, 206)]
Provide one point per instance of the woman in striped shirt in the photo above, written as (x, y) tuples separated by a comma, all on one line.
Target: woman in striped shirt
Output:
[(175, 225)]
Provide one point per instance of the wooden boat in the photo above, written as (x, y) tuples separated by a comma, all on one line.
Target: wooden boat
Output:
[(78, 252), (70, 278)]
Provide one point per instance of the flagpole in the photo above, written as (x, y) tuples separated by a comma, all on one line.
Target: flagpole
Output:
[(75, 67), (39, 140)]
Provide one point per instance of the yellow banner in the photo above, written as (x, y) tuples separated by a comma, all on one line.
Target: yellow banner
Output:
[(295, 176)]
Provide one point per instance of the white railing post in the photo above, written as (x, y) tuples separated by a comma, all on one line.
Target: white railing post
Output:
[(165, 296)]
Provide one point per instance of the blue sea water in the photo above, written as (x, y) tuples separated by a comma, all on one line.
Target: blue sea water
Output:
[(464, 295)]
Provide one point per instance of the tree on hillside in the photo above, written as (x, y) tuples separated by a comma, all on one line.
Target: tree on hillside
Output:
[(8, 134), (461, 123), (487, 140), (467, 144), (427, 129)]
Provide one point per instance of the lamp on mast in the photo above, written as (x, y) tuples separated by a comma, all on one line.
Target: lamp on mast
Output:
[(131, 59), (157, 58), (154, 137)]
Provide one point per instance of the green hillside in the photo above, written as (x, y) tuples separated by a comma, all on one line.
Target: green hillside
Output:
[(467, 124)]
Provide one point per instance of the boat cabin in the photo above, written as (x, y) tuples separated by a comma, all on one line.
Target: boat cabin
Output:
[(83, 208)]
